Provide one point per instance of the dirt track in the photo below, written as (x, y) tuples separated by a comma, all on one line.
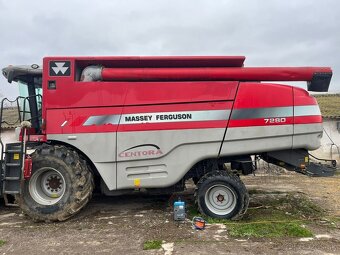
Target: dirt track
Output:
[(120, 225)]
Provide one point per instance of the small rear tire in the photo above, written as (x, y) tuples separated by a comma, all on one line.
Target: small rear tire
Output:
[(222, 195), (61, 184)]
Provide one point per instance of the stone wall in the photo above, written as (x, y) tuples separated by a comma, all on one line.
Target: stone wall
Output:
[(327, 150)]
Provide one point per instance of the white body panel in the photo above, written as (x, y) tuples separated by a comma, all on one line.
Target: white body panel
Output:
[(161, 158), (101, 150), (180, 150), (249, 140)]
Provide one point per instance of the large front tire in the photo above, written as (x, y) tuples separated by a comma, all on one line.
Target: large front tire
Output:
[(222, 195), (61, 184)]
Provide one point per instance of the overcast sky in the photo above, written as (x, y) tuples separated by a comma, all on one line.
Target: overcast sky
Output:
[(268, 33)]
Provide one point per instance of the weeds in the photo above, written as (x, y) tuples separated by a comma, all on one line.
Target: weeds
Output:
[(152, 245)]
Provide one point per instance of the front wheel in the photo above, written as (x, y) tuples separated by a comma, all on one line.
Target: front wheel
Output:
[(61, 184), (222, 195)]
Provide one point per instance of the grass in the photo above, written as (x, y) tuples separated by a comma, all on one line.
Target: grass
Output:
[(2, 242), (271, 215), (282, 229), (291, 206), (152, 245), (329, 105)]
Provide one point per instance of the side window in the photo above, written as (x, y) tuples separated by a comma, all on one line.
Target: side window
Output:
[(23, 104)]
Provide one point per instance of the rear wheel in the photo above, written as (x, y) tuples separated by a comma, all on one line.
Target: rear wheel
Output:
[(61, 184), (222, 195)]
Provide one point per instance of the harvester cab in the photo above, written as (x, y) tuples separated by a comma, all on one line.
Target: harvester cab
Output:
[(151, 123), (14, 156)]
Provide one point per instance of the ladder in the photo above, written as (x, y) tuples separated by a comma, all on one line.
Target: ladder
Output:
[(12, 155), (12, 172)]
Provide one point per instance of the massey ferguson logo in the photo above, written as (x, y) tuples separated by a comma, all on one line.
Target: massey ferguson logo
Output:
[(60, 68), (143, 150)]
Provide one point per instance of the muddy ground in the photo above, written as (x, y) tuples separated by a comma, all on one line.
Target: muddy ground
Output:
[(121, 225)]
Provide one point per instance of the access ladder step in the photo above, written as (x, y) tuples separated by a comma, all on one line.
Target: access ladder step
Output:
[(12, 201), (9, 178), (12, 164), (11, 192), (12, 171), (13, 151)]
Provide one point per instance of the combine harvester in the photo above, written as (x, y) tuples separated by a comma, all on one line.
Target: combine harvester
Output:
[(122, 124)]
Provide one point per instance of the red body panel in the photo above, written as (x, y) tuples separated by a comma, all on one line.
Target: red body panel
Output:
[(302, 97), (257, 95), (77, 117), (93, 94), (267, 98), (206, 85)]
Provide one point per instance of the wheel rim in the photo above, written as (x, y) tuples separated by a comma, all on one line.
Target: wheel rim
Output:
[(220, 199), (47, 186)]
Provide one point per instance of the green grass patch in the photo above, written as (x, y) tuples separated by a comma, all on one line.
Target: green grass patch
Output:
[(271, 215), (152, 245), (282, 207), (336, 219), (2, 242), (282, 229)]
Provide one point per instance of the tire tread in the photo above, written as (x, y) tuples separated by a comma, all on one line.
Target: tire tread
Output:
[(81, 181)]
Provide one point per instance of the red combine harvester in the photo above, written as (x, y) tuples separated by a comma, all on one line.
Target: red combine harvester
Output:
[(150, 123)]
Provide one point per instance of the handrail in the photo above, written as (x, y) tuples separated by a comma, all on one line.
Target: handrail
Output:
[(20, 118)]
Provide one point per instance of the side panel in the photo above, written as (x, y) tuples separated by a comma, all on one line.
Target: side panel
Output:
[(308, 127), (158, 151), (91, 130), (99, 147), (175, 128), (261, 119), (142, 164)]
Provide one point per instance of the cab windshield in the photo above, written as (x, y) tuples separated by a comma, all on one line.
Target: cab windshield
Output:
[(29, 79)]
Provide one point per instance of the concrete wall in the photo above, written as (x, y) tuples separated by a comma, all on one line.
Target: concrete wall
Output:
[(326, 150), (8, 136)]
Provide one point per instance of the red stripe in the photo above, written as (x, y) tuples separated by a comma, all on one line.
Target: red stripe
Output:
[(308, 119), (259, 122)]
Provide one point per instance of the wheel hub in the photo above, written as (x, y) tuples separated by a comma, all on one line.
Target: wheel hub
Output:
[(220, 199), (53, 183), (47, 186)]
